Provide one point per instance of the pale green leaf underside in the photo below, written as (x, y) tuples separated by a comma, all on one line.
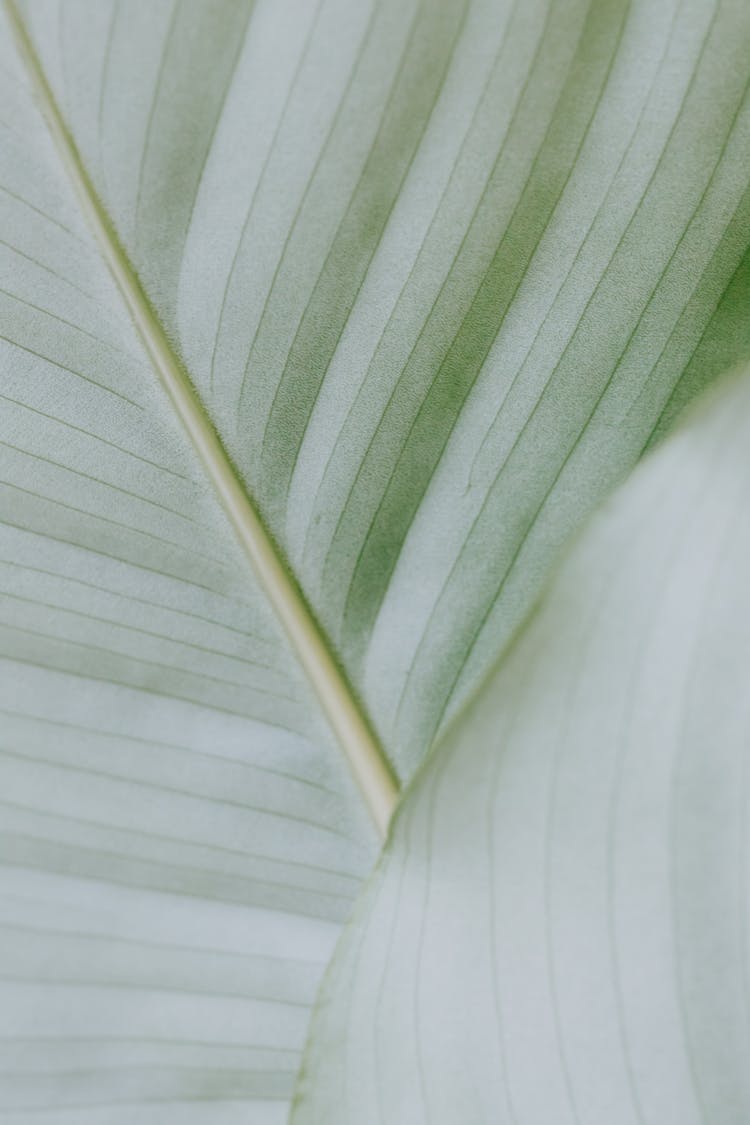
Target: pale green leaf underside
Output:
[(558, 931), (439, 274)]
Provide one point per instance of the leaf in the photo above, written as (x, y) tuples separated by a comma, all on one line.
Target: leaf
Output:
[(437, 270), (437, 273), (180, 842), (558, 928)]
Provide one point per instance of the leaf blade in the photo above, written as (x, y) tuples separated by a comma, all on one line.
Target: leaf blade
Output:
[(179, 845), (271, 171), (564, 882), (520, 305), (366, 758)]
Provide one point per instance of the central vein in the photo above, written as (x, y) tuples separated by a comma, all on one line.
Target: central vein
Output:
[(368, 761)]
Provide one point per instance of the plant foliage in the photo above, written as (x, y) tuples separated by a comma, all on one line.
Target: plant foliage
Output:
[(438, 273)]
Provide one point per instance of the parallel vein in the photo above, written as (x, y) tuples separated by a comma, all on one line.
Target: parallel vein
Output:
[(368, 762)]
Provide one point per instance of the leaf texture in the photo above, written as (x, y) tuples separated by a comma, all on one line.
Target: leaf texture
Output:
[(558, 930), (179, 840), (438, 271)]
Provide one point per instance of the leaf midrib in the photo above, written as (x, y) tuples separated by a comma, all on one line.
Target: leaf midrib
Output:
[(366, 757)]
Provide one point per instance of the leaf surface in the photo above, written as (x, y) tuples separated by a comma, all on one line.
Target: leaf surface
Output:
[(558, 928), (180, 839), (438, 273), (437, 270)]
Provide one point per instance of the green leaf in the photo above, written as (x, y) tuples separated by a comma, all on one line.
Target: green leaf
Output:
[(558, 928), (437, 273), (436, 270), (180, 841)]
